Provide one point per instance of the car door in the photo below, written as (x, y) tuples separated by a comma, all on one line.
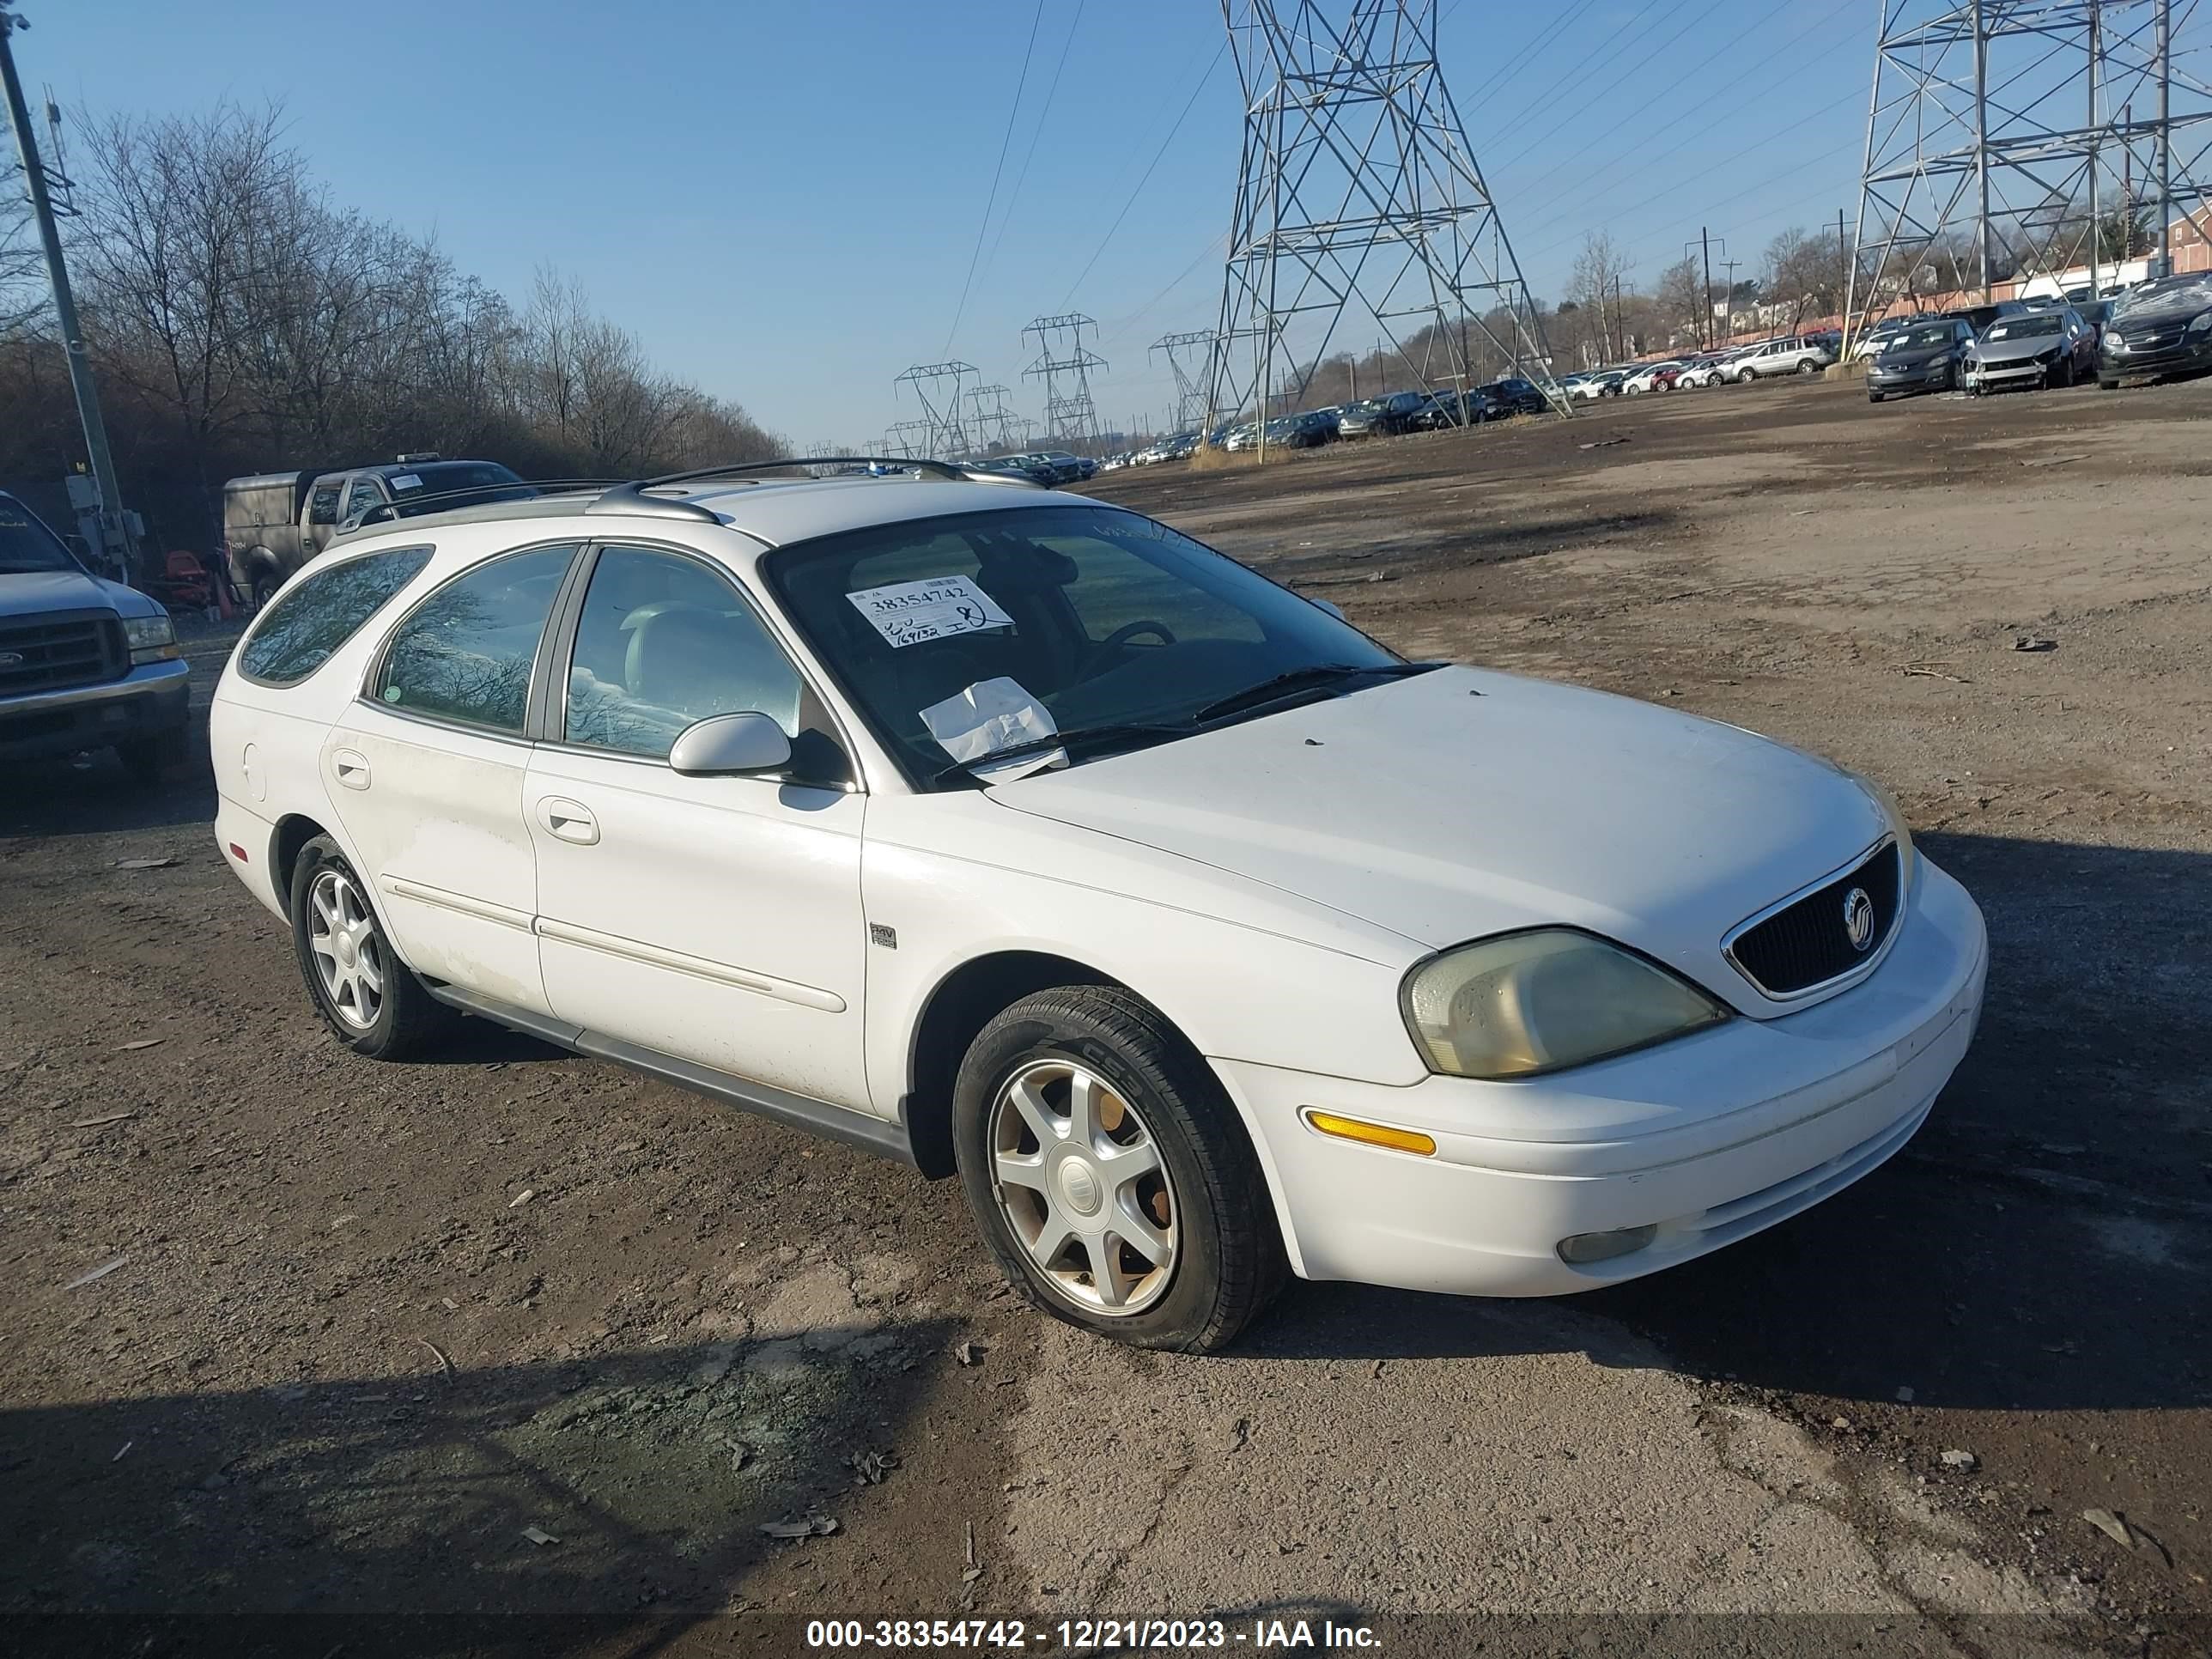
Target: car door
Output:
[(426, 772), (714, 919)]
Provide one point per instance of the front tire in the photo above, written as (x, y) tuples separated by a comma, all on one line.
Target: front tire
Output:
[(370, 999), (1110, 1175)]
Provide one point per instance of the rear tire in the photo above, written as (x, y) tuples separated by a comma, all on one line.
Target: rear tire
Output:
[(1808, 367), (370, 999), (1205, 1205)]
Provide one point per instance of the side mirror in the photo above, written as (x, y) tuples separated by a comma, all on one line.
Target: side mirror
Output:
[(1335, 610), (730, 745)]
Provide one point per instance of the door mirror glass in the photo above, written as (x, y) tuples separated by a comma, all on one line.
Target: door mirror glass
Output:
[(725, 745)]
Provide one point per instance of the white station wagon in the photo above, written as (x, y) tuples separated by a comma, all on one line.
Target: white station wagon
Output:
[(1019, 836)]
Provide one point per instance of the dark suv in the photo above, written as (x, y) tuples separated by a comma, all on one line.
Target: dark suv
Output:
[(1514, 396)]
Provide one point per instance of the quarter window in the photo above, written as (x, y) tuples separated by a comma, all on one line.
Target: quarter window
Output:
[(664, 641), (300, 633), (465, 653)]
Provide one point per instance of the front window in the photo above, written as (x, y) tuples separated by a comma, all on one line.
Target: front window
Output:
[(2021, 328), (1924, 339), (28, 546), (1101, 618)]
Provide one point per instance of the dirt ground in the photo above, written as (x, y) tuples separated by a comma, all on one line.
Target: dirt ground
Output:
[(365, 1326)]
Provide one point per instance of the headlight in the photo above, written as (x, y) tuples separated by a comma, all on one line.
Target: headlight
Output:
[(2200, 324), (1537, 1001), (2114, 341), (151, 638)]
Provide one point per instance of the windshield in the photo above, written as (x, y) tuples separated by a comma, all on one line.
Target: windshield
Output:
[(1918, 339), (1100, 617), (442, 477), (26, 546), (2176, 291), (2021, 328)]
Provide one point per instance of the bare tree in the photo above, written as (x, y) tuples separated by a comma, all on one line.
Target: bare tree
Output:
[(1680, 299), (243, 322)]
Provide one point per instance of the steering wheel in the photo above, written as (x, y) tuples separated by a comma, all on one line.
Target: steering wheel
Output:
[(1127, 631)]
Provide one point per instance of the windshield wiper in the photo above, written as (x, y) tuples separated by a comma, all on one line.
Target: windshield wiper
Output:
[(1312, 677), (1117, 732)]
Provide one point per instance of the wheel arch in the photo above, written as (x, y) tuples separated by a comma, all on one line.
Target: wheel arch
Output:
[(292, 831), (960, 1005)]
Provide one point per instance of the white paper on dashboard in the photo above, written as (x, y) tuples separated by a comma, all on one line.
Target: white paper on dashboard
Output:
[(989, 716), (907, 613)]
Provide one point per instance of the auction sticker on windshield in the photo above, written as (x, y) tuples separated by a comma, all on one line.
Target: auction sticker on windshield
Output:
[(907, 613)]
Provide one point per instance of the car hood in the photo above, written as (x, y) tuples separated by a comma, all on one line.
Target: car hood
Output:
[(2019, 350), (1461, 803), (69, 590), (2161, 313)]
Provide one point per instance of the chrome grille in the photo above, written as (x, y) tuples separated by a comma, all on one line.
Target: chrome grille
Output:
[(1808, 942), (56, 650)]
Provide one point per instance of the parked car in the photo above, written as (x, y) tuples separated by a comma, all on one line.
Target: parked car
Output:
[(1872, 340), (1390, 414), (1019, 837), (1651, 377), (1702, 371), (274, 522), (1515, 396), (2037, 349), (2160, 328), (85, 663), (1929, 356), (1598, 383), (1982, 316), (1793, 354)]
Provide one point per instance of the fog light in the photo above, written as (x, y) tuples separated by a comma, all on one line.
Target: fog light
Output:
[(1372, 1135), (1582, 1248)]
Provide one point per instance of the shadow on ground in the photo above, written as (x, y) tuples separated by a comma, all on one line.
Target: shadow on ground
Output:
[(239, 1522)]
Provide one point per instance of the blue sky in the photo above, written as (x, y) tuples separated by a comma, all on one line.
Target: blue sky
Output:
[(782, 200)]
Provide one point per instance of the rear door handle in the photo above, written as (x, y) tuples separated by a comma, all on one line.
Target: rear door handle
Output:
[(570, 820), (352, 769)]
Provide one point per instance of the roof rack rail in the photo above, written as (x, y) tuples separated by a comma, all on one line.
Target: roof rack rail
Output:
[(952, 470), (388, 512)]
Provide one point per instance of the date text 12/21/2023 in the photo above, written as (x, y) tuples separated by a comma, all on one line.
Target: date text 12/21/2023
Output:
[(1088, 1635)]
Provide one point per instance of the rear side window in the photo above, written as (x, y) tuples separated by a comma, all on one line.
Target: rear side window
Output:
[(325, 609), (467, 652)]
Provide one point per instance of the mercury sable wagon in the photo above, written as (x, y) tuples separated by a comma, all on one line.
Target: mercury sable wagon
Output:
[(1024, 839)]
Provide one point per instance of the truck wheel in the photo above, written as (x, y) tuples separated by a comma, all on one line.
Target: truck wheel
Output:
[(147, 759), (365, 993), (1110, 1176)]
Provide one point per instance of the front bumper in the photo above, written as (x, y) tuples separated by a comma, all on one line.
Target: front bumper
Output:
[(2186, 355), (1998, 377), (1920, 377), (150, 702), (1707, 1140)]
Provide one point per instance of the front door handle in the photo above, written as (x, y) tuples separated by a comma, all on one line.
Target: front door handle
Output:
[(570, 820), (352, 769)]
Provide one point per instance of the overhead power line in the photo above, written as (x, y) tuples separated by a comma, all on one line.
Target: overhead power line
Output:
[(1045, 114), (990, 200)]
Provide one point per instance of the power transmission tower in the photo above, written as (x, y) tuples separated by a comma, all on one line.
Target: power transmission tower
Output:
[(1064, 363), (937, 388), (911, 441), (990, 421), (119, 539), (1358, 192), (1188, 356), (1993, 146)]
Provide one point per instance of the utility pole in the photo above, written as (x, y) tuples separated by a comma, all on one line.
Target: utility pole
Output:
[(2096, 219), (116, 536), (1982, 140), (1705, 310), (1843, 268), (2165, 137), (1728, 300)]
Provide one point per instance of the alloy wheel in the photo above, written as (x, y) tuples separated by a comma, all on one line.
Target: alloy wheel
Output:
[(348, 954), (1080, 1180)]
